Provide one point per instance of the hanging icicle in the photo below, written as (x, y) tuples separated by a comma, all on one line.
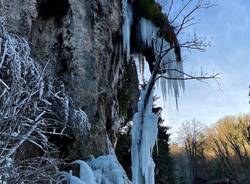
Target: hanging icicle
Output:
[(170, 67), (144, 137), (126, 27)]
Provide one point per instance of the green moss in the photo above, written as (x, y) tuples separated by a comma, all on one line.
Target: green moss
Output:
[(127, 94), (123, 100), (152, 11), (149, 9)]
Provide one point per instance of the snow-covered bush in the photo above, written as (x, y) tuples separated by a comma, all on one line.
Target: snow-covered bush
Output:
[(31, 110)]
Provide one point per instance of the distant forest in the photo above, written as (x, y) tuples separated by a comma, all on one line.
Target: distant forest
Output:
[(220, 154)]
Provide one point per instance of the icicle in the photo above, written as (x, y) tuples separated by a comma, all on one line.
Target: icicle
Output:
[(86, 173), (109, 170), (143, 70), (144, 137), (127, 18), (111, 150), (148, 31), (141, 66), (172, 68)]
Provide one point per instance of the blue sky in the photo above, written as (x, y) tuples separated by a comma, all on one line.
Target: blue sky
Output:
[(227, 25)]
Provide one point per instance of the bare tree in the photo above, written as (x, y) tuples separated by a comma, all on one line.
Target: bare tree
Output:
[(192, 137), (170, 30), (232, 149), (166, 67)]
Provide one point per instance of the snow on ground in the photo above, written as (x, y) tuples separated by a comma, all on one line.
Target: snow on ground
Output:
[(102, 170)]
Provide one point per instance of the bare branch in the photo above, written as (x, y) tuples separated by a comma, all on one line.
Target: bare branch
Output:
[(190, 77)]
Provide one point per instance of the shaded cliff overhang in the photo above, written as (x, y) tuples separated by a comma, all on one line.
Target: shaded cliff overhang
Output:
[(52, 8)]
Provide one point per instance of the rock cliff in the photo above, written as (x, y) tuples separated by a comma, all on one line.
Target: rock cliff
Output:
[(79, 41), (67, 71)]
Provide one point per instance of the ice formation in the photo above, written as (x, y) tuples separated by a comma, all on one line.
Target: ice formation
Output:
[(126, 27), (144, 137), (172, 69), (145, 122), (148, 32), (102, 170), (86, 173), (150, 37), (108, 170)]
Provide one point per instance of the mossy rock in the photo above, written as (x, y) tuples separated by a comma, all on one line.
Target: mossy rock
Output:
[(151, 10)]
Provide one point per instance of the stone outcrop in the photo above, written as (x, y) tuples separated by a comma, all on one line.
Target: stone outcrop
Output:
[(76, 39)]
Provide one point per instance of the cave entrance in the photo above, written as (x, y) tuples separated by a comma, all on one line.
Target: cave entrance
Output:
[(53, 8)]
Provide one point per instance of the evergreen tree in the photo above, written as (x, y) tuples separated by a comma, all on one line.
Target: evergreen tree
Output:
[(164, 168)]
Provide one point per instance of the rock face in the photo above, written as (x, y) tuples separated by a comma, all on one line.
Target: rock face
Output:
[(77, 40)]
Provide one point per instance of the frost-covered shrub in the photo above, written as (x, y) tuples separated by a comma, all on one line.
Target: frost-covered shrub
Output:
[(31, 110), (81, 122)]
